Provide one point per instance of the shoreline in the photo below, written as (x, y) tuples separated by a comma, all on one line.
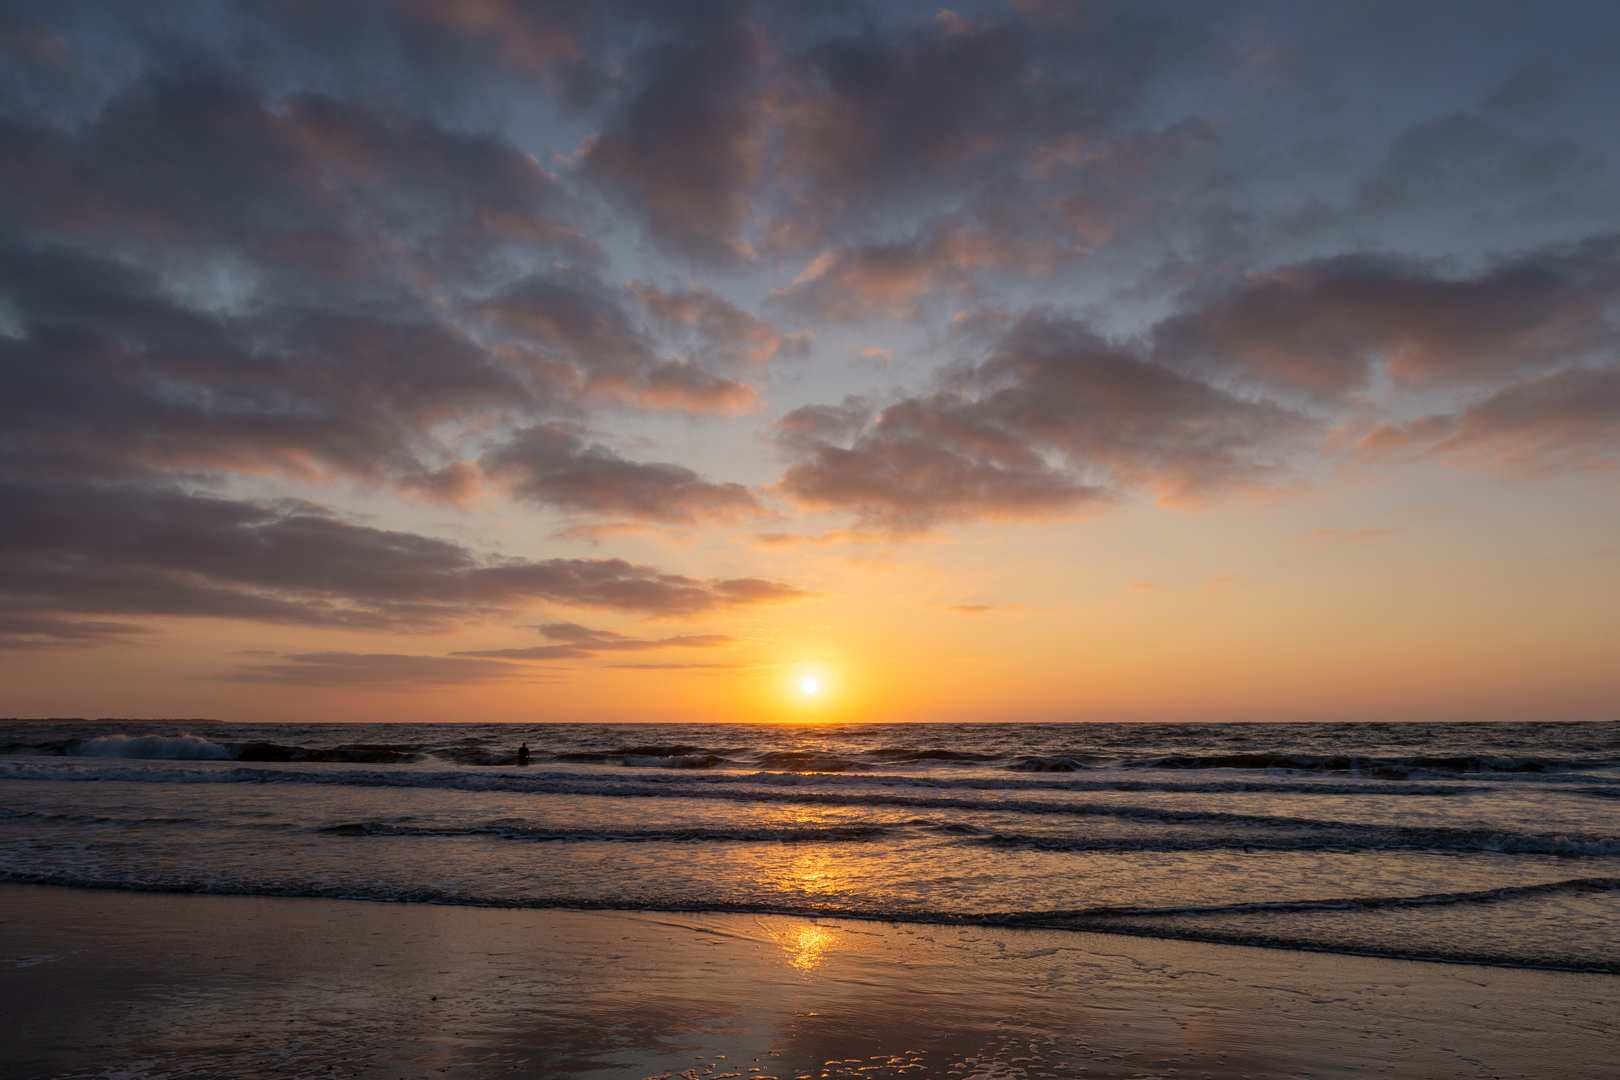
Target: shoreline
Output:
[(1039, 921), (152, 983)]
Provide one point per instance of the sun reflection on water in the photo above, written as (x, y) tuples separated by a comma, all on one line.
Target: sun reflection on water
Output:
[(811, 873), (805, 944)]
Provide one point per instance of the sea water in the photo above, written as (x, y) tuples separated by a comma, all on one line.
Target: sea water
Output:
[(1475, 843)]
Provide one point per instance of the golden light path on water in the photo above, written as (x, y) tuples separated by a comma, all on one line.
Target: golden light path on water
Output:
[(805, 944)]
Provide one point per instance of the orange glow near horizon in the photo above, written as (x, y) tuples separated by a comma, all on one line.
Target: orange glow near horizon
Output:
[(1250, 618), (721, 416)]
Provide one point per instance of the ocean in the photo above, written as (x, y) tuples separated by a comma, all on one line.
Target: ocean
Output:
[(1488, 843)]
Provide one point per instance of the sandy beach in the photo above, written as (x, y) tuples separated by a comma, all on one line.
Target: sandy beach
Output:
[(123, 984)]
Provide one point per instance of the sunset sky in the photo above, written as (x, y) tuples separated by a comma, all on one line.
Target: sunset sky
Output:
[(481, 360)]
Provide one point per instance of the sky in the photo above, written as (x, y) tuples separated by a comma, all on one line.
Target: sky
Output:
[(476, 360)]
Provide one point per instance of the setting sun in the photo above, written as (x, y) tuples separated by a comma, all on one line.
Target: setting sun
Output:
[(774, 538)]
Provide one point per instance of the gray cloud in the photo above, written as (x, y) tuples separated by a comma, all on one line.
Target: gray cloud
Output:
[(720, 330), (685, 148), (572, 330), (128, 550), (1461, 156), (1565, 421), (29, 631), (1327, 325), (554, 466), (930, 108), (314, 191), (105, 370), (370, 669), (581, 643), (242, 242), (1055, 419), (892, 279)]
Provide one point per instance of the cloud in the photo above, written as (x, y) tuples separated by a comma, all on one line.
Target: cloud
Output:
[(923, 461), (976, 609), (1055, 420), (679, 667), (369, 669), (582, 643), (201, 276), (924, 110), (1564, 421), (891, 279), (596, 532), (29, 632), (313, 190), (130, 550), (554, 466), (831, 536), (1462, 157), (1327, 325), (551, 41), (685, 148), (1528, 91), (723, 331), (105, 370), (575, 331)]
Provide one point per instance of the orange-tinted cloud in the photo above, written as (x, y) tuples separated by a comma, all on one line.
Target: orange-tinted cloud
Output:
[(1325, 326), (686, 146), (976, 609), (553, 466), (576, 333), (892, 279), (373, 669), (722, 330), (132, 550), (545, 39), (1565, 421), (1054, 420), (575, 642)]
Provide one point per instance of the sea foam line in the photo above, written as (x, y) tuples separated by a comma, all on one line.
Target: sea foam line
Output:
[(1158, 923), (1324, 833), (484, 779)]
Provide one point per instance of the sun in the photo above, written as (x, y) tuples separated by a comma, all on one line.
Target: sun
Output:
[(809, 686)]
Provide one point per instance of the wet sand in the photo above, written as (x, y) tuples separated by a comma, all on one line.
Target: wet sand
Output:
[(133, 985)]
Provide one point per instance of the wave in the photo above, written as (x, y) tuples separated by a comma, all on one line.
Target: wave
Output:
[(982, 749), (833, 834), (97, 819), (1049, 763), (858, 780), (1354, 903), (1397, 768), (1326, 837), (1244, 830), (676, 761), (176, 748), (1161, 923), (195, 748)]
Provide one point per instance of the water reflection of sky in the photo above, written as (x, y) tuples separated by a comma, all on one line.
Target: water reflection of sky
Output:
[(805, 944), (421, 991)]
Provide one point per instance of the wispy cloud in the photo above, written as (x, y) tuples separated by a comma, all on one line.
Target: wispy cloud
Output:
[(575, 642)]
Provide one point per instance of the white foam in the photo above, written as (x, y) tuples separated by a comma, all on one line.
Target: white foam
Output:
[(175, 748)]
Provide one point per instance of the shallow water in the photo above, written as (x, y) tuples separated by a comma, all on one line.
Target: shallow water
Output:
[(1483, 843), (114, 984)]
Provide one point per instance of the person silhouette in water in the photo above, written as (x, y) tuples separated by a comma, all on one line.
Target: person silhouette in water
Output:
[(523, 754)]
